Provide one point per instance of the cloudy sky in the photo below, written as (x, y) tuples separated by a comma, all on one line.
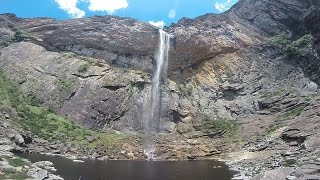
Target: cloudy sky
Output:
[(161, 12)]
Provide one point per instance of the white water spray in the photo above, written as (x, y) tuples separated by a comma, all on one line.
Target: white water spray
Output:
[(152, 116)]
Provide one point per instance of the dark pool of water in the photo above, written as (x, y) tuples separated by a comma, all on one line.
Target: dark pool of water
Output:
[(135, 170)]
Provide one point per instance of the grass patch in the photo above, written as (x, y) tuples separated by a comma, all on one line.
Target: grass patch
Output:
[(16, 162), (281, 39), (295, 48), (112, 141), (9, 93), (66, 84), (289, 46), (290, 163), (14, 175), (293, 112), (92, 61), (273, 94), (20, 36), (46, 124), (185, 89), (272, 129), (83, 68), (68, 55), (229, 127), (17, 37)]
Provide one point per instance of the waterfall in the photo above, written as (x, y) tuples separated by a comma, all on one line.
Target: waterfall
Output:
[(152, 116)]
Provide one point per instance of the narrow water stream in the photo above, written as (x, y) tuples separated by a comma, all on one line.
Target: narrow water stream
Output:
[(135, 170), (152, 115)]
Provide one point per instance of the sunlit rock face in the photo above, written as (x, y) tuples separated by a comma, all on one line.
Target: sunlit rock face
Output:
[(247, 23), (123, 42)]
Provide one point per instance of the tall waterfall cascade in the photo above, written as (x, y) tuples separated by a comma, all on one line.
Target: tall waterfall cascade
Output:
[(152, 114)]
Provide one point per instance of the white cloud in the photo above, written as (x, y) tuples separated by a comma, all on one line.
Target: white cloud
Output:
[(159, 24), (109, 6), (172, 14), (70, 6), (221, 7)]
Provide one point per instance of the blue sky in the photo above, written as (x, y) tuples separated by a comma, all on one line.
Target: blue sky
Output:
[(158, 11)]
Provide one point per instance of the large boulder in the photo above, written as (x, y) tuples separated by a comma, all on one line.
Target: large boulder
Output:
[(37, 173)]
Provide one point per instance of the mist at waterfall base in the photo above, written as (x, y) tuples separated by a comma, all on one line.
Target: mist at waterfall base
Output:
[(135, 170), (152, 114)]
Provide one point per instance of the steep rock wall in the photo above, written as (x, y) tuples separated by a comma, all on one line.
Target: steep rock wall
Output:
[(220, 65)]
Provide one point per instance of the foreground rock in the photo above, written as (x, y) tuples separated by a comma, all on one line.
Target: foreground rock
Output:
[(277, 174), (11, 165)]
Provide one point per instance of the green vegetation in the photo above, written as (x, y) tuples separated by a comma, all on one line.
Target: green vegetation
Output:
[(296, 111), (66, 84), (290, 47), (14, 175), (42, 122), (280, 39), (17, 37), (270, 95), (92, 61), (68, 55), (20, 36), (185, 89), (273, 94), (16, 162), (89, 61), (290, 163), (107, 140), (144, 76), (229, 127), (116, 80), (45, 123), (272, 129), (9, 94), (83, 68), (295, 47), (33, 100)]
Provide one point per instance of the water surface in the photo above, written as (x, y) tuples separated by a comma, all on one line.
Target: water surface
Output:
[(136, 170)]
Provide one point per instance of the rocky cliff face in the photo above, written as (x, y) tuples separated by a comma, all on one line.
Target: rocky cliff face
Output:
[(120, 41), (215, 59), (257, 64), (247, 23)]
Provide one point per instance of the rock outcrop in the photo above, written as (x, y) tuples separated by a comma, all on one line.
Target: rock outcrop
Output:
[(120, 41)]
